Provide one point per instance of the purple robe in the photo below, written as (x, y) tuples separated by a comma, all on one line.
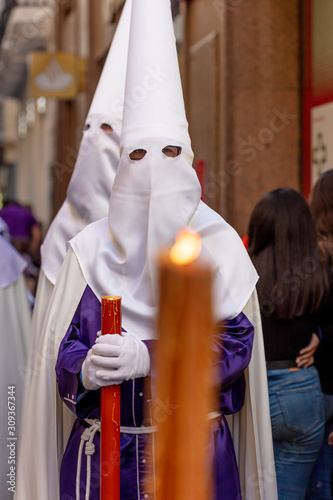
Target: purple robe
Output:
[(20, 220), (233, 343)]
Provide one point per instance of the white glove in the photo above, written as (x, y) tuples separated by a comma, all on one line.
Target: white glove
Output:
[(113, 359)]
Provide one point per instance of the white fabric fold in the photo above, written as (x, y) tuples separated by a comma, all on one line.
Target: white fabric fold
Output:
[(12, 264), (234, 276), (15, 317)]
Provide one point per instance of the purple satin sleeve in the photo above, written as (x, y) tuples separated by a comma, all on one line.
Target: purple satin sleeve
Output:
[(232, 344), (233, 347)]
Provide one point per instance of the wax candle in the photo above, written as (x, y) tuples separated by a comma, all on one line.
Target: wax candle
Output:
[(110, 411), (184, 387)]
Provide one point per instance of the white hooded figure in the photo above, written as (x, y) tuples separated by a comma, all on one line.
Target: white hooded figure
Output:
[(47, 422), (155, 194), (15, 317)]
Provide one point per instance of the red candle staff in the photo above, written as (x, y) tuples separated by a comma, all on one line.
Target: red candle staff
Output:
[(110, 411)]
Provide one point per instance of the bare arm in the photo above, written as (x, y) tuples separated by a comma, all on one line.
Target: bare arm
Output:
[(36, 239), (330, 439), (306, 355)]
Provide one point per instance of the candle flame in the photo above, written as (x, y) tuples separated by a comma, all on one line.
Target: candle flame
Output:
[(186, 248)]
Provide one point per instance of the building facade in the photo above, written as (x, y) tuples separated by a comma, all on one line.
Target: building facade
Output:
[(242, 64)]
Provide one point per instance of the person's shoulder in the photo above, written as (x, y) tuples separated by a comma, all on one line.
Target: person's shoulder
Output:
[(91, 237), (211, 225)]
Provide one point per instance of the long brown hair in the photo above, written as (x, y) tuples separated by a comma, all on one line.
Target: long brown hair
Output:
[(283, 248), (321, 206)]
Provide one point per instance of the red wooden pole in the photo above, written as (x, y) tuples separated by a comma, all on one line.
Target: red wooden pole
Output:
[(110, 411)]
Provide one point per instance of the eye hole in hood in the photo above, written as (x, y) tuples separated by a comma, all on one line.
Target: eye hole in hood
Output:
[(170, 151)]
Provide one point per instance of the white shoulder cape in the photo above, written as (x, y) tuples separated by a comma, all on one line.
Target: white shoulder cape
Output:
[(251, 426), (48, 421), (43, 295), (15, 317)]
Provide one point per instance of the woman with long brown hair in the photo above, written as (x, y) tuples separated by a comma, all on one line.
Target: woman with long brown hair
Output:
[(321, 206), (291, 288)]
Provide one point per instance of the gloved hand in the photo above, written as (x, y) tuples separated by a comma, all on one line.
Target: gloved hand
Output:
[(113, 359)]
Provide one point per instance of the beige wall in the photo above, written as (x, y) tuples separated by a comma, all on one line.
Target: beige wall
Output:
[(35, 156), (101, 34), (10, 108), (32, 153)]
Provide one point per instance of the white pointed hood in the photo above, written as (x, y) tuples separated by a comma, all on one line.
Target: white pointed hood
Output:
[(154, 104), (89, 189), (154, 197)]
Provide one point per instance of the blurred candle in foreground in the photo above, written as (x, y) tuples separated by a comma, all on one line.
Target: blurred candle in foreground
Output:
[(110, 411), (184, 395)]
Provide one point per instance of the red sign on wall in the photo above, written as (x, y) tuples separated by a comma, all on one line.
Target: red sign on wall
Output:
[(317, 87)]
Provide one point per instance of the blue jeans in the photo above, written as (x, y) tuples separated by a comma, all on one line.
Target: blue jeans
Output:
[(321, 483), (297, 417)]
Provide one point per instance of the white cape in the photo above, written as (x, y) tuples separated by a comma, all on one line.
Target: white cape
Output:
[(15, 317), (48, 421), (251, 426), (44, 292)]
